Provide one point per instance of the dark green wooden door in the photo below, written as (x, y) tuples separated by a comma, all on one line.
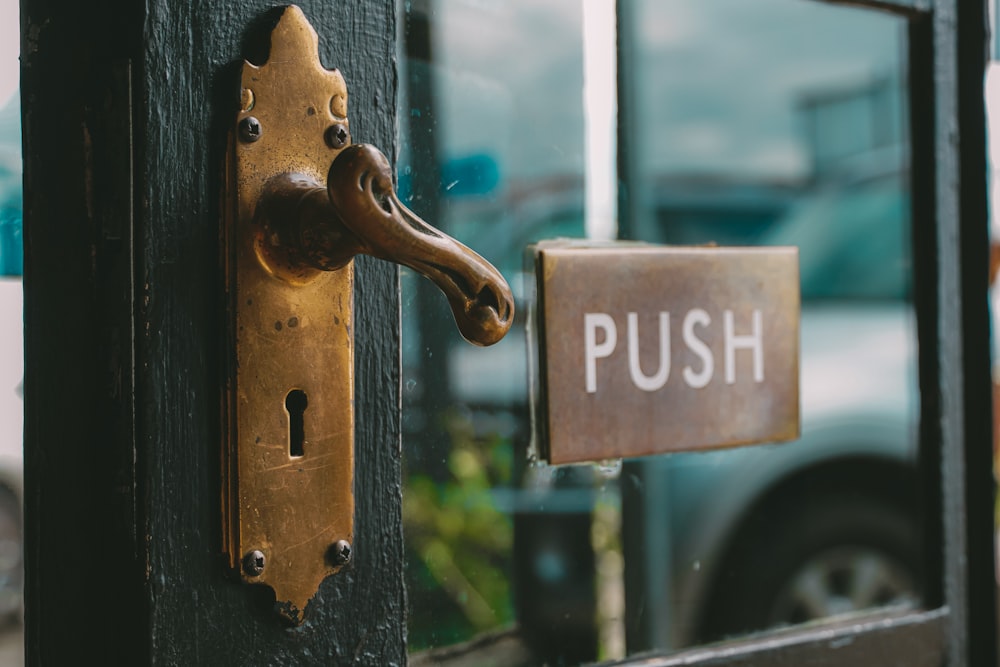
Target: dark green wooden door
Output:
[(126, 109)]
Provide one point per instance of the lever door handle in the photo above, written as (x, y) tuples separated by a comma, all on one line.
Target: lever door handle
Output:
[(301, 202), (309, 226)]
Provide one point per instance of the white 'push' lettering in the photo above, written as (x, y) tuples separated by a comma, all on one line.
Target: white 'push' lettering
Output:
[(698, 346), (593, 351), (755, 342), (640, 379)]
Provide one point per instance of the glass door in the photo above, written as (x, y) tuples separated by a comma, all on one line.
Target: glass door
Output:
[(779, 122), (784, 123)]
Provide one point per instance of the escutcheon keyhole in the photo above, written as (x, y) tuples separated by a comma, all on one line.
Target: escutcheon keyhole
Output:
[(296, 404)]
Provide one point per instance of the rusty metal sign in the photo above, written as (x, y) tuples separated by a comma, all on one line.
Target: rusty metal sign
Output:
[(648, 350)]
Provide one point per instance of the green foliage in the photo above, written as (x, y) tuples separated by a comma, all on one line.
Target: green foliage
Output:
[(459, 543)]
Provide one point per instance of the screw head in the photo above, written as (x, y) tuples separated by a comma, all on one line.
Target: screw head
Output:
[(250, 129), (340, 553), (253, 563), (337, 136)]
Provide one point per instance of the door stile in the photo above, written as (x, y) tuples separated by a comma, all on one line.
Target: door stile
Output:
[(124, 542)]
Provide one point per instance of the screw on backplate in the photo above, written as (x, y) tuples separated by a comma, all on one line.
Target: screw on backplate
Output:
[(337, 136), (253, 563), (340, 553), (250, 129)]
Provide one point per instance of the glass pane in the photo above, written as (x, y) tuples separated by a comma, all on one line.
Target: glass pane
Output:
[(781, 122), (11, 343), (771, 122), (492, 123)]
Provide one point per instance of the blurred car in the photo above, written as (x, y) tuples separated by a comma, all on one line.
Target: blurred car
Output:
[(828, 524)]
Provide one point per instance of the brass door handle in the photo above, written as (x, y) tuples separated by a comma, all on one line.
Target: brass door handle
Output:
[(308, 226), (289, 240)]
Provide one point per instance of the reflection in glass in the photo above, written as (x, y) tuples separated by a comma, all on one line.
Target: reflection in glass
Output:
[(492, 153), (11, 345), (782, 122), (769, 122)]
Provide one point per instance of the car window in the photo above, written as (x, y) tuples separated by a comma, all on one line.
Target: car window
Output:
[(853, 241)]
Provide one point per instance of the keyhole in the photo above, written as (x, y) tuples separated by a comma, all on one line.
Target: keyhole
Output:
[(296, 404)]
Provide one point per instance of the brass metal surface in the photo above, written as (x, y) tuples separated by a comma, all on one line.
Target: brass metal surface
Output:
[(288, 502), (291, 330), (309, 227), (733, 349), (361, 191)]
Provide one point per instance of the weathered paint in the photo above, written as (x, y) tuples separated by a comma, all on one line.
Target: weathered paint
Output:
[(124, 548)]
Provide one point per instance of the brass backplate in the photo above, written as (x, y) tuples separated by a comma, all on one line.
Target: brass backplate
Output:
[(291, 332), (648, 350)]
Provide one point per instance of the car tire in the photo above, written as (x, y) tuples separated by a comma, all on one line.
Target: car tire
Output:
[(800, 561)]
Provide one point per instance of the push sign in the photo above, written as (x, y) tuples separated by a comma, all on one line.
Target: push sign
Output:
[(647, 349)]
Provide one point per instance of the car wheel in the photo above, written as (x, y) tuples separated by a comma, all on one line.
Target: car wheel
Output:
[(820, 558)]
